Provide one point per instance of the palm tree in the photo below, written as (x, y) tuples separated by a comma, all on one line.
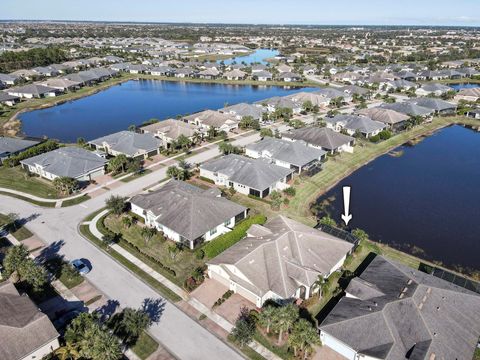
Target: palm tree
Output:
[(147, 233), (68, 352), (197, 138), (267, 317), (13, 220), (173, 172), (284, 319), (303, 337), (127, 221), (134, 322)]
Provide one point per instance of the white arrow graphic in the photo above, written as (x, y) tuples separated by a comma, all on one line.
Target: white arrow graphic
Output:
[(346, 217)]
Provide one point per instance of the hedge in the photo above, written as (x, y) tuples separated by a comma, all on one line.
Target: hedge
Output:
[(41, 148), (223, 242)]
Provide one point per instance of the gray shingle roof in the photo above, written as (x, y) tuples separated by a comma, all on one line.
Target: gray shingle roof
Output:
[(244, 109), (187, 209), (385, 116), (322, 137), (13, 145), (254, 173), (363, 124), (434, 104), (296, 153), (72, 162), (34, 89), (405, 310), (129, 143), (23, 328), (282, 255), (408, 109), (171, 128)]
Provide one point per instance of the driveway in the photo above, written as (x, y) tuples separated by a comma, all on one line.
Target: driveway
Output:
[(325, 353), (209, 292), (230, 309)]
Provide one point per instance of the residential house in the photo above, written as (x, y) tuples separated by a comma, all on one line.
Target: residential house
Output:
[(244, 109), (210, 118), (333, 93), (73, 162), (391, 311), (12, 146), (161, 71), (297, 156), (31, 91), (7, 99), (315, 99), (280, 102), (262, 76), (472, 94), (475, 113), (281, 260), (187, 214), (129, 143), (208, 74), (62, 84), (24, 74), (400, 85), (26, 332), (235, 74), (256, 177), (321, 138), (391, 118), (353, 124), (170, 130), (137, 68), (432, 88), (289, 77), (7, 80), (409, 109), (441, 107), (283, 68)]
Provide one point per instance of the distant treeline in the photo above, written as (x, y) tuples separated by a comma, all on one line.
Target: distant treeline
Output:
[(16, 60)]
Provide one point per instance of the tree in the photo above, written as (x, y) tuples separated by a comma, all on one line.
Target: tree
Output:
[(307, 106), (173, 251), (133, 323), (266, 317), (276, 200), (118, 164), (266, 132), (173, 172), (33, 274), (303, 337), (244, 328), (65, 185), (226, 148), (248, 122), (147, 233), (13, 220), (14, 259), (109, 238), (327, 220), (183, 142), (81, 141), (197, 138), (360, 234), (184, 167), (68, 352), (284, 319), (132, 128), (117, 204), (212, 132), (127, 222)]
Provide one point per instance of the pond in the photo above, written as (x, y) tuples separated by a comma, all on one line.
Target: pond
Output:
[(423, 199), (458, 87), (135, 102), (258, 56)]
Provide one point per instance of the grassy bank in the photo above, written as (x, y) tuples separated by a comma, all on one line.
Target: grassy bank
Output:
[(17, 179)]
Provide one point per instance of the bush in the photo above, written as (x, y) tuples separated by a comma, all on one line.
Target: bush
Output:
[(385, 134), (199, 254), (375, 139), (44, 147), (290, 191), (223, 242), (206, 179)]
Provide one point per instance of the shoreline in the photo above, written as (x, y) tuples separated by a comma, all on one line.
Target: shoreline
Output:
[(12, 124)]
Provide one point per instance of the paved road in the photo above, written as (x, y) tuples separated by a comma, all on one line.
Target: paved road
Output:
[(181, 335)]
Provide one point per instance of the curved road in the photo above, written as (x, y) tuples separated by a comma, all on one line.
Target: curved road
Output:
[(181, 335)]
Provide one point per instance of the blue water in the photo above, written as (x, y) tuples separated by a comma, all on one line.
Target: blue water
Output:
[(258, 56), (134, 102), (458, 87), (429, 197)]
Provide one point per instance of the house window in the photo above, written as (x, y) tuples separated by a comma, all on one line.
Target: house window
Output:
[(213, 231), (227, 223)]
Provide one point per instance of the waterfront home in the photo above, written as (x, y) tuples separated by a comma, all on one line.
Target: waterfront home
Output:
[(187, 214), (297, 156), (170, 130), (359, 91), (244, 109), (72, 162), (262, 76), (475, 113), (441, 107), (137, 69), (333, 93), (315, 99), (25, 74), (26, 332), (353, 124), (408, 314), (391, 118), (45, 71), (31, 91), (256, 177), (129, 143), (280, 102), (62, 84), (409, 109), (12, 146), (235, 74), (259, 68), (7, 99), (281, 260), (283, 68), (472, 94), (209, 74), (210, 118), (435, 89), (184, 72), (321, 138), (289, 77), (7, 80), (161, 71)]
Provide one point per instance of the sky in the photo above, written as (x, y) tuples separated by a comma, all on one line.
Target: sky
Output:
[(316, 12)]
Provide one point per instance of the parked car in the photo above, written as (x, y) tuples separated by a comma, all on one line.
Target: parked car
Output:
[(81, 266)]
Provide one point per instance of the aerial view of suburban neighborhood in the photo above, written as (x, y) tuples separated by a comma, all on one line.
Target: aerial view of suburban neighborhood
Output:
[(223, 180)]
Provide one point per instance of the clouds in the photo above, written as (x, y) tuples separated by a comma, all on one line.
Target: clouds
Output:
[(348, 12)]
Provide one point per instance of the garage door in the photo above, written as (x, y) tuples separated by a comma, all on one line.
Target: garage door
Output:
[(220, 279), (246, 294)]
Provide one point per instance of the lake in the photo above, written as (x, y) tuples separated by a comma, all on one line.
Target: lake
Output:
[(458, 87), (428, 198), (258, 56), (134, 102)]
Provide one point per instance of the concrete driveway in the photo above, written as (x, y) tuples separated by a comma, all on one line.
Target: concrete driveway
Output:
[(230, 309), (209, 292)]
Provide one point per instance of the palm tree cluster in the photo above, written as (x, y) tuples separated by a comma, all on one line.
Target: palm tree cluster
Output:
[(89, 337), (20, 267), (180, 172), (65, 185)]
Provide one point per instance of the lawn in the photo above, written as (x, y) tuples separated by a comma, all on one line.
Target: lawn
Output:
[(21, 232), (157, 247), (145, 346), (17, 179), (64, 272), (76, 201)]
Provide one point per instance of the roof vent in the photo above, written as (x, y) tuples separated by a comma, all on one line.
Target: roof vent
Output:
[(438, 308), (285, 248)]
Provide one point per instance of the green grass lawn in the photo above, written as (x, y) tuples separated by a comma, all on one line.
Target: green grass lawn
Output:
[(17, 179), (157, 247), (20, 233), (64, 272), (145, 346), (76, 201)]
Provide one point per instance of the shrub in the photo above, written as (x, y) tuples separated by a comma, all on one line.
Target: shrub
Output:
[(375, 139), (385, 134), (44, 147), (290, 191), (199, 254), (223, 242)]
